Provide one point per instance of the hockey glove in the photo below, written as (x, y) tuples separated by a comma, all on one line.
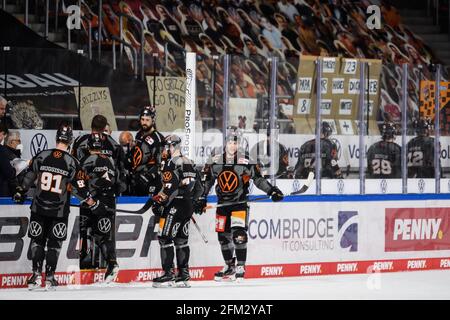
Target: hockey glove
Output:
[(276, 194), (200, 205), (19, 195), (157, 209), (98, 208), (160, 198)]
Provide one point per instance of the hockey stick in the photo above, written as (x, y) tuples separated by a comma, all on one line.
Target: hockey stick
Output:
[(303, 189), (198, 229), (142, 210)]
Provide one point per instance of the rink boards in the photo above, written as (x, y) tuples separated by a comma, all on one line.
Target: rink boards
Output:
[(301, 236)]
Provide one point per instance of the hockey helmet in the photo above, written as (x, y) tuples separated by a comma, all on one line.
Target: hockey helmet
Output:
[(64, 134), (326, 129), (233, 134), (148, 111), (95, 141), (422, 126), (388, 130), (174, 141)]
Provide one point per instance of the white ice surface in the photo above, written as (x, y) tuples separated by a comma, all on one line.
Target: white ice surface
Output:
[(399, 285)]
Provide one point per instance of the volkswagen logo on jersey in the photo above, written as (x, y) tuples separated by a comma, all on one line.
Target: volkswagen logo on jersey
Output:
[(421, 185), (104, 225), (383, 185), (175, 228), (186, 229), (295, 185), (340, 186), (38, 143), (59, 230), (35, 229)]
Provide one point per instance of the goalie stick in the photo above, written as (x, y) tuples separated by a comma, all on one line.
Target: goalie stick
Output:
[(303, 189)]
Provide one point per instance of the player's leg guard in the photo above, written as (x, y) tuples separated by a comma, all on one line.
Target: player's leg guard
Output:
[(108, 249), (182, 252), (227, 248), (51, 260), (37, 256), (167, 256), (240, 240)]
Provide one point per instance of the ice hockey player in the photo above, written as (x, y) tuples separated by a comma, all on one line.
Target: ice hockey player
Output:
[(104, 185), (55, 172), (384, 157), (80, 150), (420, 151), (180, 185), (146, 155), (233, 170), (306, 161)]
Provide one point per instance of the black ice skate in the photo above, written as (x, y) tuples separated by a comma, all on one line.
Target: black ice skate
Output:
[(50, 281), (111, 272), (182, 279), (240, 272), (228, 272), (166, 280), (34, 281)]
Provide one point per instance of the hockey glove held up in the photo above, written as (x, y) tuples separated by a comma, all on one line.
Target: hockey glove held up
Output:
[(19, 195), (276, 194)]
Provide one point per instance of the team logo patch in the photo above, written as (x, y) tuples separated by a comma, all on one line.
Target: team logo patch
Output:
[(186, 229), (167, 176), (228, 181), (137, 157), (57, 154), (175, 228), (104, 225), (59, 230), (35, 229), (149, 140)]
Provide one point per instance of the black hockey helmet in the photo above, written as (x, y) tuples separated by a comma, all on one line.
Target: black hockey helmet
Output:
[(388, 130), (148, 111), (422, 126), (95, 141), (326, 129), (64, 134)]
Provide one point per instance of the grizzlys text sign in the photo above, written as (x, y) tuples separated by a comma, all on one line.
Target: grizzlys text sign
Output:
[(417, 229)]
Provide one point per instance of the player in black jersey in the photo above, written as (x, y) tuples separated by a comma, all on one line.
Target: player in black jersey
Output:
[(233, 170), (181, 184), (146, 155), (306, 161), (55, 172), (104, 185), (110, 148), (384, 157), (420, 151)]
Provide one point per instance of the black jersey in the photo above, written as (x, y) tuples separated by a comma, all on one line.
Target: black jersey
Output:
[(146, 154), (180, 179), (55, 172), (420, 153), (306, 161), (102, 176), (233, 177), (384, 160)]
